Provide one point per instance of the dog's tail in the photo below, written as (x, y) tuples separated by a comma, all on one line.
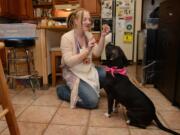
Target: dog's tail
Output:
[(161, 126)]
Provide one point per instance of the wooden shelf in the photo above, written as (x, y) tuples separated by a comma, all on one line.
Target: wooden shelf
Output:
[(43, 5)]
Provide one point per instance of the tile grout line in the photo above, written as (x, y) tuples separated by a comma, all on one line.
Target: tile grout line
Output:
[(4, 129), (126, 118), (23, 110), (43, 132), (16, 117), (161, 117), (85, 131)]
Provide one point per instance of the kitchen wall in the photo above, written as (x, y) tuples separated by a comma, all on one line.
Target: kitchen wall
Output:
[(138, 15)]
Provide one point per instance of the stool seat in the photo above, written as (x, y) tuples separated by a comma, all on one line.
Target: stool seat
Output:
[(19, 42)]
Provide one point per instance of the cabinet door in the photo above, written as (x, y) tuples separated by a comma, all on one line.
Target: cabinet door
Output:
[(92, 6), (167, 49), (18, 9), (25, 9), (3, 8), (13, 8)]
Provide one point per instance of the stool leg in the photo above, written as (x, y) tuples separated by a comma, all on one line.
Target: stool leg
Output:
[(32, 60), (29, 72), (14, 61), (35, 82), (8, 64), (28, 61), (9, 79), (33, 87), (53, 64)]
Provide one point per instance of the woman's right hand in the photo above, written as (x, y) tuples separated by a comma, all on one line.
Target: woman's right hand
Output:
[(91, 43)]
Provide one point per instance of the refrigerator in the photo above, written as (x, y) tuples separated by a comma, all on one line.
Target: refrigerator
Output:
[(119, 15)]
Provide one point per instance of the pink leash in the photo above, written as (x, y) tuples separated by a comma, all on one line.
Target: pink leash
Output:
[(114, 69)]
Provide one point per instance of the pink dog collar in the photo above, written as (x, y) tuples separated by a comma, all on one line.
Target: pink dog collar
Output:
[(114, 69)]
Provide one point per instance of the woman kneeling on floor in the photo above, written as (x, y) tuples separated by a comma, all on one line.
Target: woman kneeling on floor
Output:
[(82, 77)]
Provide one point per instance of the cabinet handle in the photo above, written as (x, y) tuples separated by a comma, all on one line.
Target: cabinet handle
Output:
[(170, 14)]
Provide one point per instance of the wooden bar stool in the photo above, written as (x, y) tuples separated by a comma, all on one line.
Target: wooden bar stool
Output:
[(8, 110), (21, 62), (55, 53)]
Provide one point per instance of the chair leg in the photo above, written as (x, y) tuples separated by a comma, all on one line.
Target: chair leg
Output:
[(28, 61), (10, 80), (8, 63), (6, 104)]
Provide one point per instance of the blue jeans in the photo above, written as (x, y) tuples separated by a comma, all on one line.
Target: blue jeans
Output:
[(89, 98)]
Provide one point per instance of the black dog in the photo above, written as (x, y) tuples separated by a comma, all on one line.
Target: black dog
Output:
[(140, 109)]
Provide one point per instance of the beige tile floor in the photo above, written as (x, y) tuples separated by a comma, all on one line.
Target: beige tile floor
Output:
[(47, 115)]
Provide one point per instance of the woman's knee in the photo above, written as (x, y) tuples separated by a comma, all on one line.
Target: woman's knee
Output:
[(92, 103), (63, 92), (87, 95), (60, 89)]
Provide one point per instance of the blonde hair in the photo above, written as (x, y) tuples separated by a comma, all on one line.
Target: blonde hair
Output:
[(74, 15)]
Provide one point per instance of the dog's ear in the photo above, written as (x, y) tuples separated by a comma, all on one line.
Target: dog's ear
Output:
[(123, 57)]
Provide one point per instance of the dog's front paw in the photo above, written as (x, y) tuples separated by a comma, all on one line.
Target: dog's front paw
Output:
[(107, 115), (128, 121)]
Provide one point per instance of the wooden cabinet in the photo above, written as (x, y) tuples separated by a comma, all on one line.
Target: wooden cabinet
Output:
[(19, 9), (93, 6), (3, 8), (25, 9), (13, 8), (168, 51), (9, 8)]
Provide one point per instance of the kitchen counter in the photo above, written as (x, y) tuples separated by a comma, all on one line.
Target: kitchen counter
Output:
[(60, 27), (48, 37)]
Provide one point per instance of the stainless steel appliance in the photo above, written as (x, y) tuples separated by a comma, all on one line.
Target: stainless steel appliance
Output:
[(119, 14)]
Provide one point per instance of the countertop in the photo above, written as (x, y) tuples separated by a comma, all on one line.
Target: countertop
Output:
[(61, 27)]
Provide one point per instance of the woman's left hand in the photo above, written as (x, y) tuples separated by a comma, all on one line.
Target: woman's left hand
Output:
[(105, 30)]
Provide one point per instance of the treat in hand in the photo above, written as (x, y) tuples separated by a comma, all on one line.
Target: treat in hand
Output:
[(105, 30), (92, 40)]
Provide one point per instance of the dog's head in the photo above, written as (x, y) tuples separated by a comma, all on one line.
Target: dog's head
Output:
[(115, 56)]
